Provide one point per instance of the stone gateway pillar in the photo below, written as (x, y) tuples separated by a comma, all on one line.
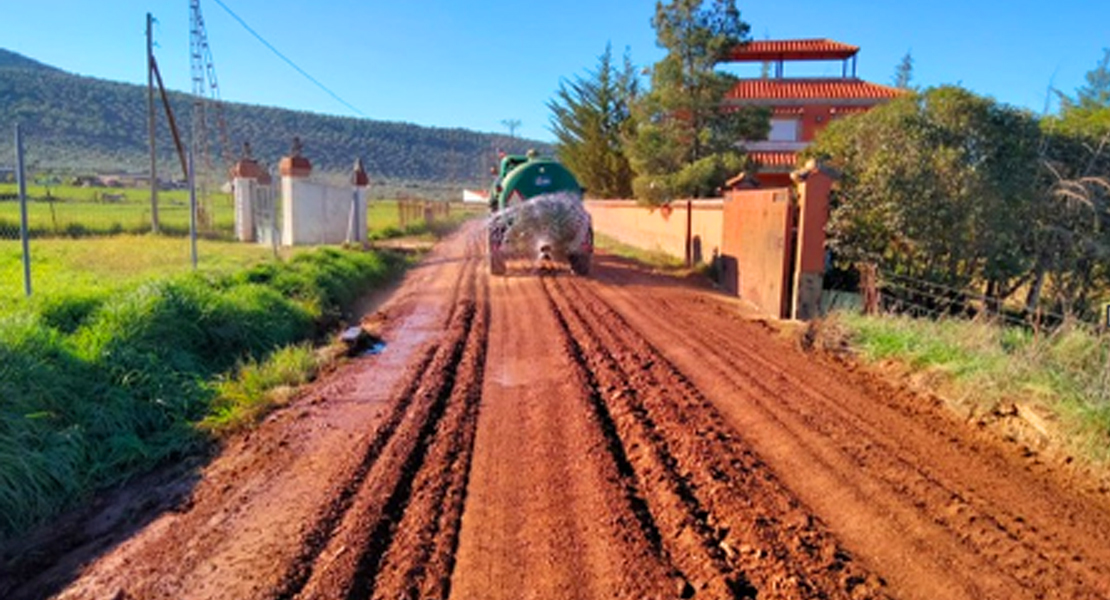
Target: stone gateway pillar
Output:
[(247, 176), (296, 200), (358, 222)]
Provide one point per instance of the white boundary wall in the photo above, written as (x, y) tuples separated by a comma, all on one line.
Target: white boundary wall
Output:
[(315, 213)]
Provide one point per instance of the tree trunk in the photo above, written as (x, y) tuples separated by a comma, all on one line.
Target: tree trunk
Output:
[(1033, 299), (993, 303), (869, 287)]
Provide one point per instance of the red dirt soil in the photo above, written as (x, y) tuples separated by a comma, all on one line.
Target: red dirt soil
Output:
[(626, 435)]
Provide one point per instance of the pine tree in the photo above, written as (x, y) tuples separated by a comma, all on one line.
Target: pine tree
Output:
[(684, 140), (1096, 93), (588, 117), (903, 73)]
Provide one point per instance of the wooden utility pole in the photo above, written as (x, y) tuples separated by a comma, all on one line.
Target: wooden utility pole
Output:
[(150, 122)]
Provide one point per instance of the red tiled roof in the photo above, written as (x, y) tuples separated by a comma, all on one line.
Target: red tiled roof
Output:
[(774, 160), (811, 49), (810, 89)]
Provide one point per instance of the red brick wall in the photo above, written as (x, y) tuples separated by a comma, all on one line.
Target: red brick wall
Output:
[(660, 230), (756, 256), (753, 231)]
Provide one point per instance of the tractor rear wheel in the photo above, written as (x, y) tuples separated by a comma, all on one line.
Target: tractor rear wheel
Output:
[(496, 262), (580, 264), (496, 258)]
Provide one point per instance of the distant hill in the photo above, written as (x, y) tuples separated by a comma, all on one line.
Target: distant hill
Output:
[(11, 60), (79, 124)]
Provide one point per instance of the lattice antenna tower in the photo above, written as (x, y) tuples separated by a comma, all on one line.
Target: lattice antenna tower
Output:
[(206, 99)]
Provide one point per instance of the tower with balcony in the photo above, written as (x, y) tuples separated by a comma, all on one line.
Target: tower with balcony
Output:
[(800, 106)]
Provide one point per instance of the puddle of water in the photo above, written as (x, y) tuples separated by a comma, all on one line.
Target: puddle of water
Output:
[(376, 347)]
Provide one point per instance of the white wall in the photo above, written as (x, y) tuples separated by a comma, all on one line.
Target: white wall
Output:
[(315, 213)]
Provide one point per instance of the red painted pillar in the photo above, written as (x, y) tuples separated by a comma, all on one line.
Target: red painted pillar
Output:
[(814, 186)]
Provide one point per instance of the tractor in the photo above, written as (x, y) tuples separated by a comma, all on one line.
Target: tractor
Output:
[(537, 213)]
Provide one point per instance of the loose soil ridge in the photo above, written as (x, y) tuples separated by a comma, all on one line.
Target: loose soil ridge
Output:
[(626, 435)]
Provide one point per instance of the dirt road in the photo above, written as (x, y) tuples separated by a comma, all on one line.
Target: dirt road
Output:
[(619, 436)]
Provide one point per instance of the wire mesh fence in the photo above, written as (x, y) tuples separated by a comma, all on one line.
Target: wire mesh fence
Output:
[(918, 297), (72, 209)]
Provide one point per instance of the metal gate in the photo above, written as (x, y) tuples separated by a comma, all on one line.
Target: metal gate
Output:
[(266, 216)]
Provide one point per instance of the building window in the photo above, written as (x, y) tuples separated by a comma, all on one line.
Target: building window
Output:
[(783, 130)]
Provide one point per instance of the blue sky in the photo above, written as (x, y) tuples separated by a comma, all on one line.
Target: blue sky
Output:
[(452, 63)]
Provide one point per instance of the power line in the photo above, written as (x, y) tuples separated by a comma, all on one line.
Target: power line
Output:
[(286, 59)]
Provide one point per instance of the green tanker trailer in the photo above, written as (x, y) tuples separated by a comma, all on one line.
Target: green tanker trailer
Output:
[(538, 213)]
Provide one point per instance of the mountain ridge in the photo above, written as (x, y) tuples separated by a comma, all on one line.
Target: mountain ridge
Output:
[(14, 60), (76, 123)]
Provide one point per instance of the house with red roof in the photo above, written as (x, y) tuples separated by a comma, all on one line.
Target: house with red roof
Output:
[(800, 106)]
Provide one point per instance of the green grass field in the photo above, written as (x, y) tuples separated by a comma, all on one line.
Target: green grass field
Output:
[(76, 211), (88, 265), (71, 193)]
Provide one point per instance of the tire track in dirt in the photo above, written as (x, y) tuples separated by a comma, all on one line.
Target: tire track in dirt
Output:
[(550, 514), (397, 536), (725, 520), (324, 529), (321, 533), (269, 505), (420, 559), (931, 519), (611, 437)]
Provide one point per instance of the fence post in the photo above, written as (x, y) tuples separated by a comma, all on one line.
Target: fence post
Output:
[(869, 287), (192, 209), (24, 230)]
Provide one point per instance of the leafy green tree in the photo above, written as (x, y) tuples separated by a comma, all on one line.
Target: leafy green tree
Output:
[(682, 141), (1096, 93), (1071, 223), (1088, 113), (937, 186), (589, 115)]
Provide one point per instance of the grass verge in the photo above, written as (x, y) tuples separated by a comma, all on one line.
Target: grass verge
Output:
[(259, 386), (981, 366), (653, 258), (105, 382)]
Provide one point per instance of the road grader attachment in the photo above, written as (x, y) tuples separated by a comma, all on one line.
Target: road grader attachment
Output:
[(537, 214)]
